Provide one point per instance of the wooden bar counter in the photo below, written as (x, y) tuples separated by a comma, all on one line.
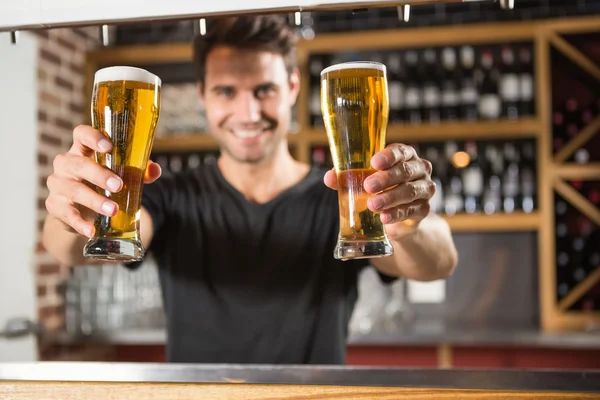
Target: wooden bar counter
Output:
[(93, 380)]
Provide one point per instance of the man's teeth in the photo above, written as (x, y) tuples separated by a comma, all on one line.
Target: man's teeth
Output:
[(247, 134)]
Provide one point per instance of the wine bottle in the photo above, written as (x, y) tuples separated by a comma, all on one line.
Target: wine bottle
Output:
[(193, 161), (395, 88), (579, 247), (494, 167), (469, 94), (432, 154), (528, 190), (528, 178), (450, 86), (592, 251), (526, 84), (210, 158), (472, 177), (489, 105), (563, 249), (431, 87), (510, 179), (413, 95), (509, 84), (582, 155), (163, 161), (559, 131), (453, 190), (175, 163)]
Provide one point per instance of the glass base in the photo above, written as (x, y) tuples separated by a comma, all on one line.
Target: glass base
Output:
[(348, 250), (109, 249)]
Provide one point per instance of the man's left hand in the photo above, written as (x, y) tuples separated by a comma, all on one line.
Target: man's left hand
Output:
[(401, 186)]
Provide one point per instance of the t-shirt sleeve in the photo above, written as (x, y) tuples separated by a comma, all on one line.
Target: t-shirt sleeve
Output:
[(157, 200)]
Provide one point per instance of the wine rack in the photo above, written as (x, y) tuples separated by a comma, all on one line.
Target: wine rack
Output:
[(474, 177), (509, 86), (445, 84), (575, 179)]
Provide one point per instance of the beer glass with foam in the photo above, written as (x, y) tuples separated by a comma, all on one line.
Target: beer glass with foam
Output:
[(355, 107), (125, 107)]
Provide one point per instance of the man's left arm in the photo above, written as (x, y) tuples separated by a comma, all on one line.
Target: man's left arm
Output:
[(401, 189), (423, 251)]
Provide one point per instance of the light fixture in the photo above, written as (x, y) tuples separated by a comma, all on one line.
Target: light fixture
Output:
[(404, 12), (507, 4)]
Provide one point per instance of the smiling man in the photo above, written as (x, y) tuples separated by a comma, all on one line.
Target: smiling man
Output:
[(245, 246)]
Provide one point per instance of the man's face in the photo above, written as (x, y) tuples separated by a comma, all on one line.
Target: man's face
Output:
[(248, 98)]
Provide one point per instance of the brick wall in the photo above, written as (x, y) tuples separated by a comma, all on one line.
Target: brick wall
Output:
[(62, 106)]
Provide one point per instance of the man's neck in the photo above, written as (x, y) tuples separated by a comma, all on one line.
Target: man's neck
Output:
[(262, 182)]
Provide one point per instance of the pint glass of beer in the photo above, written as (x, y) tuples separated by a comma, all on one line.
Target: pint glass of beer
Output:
[(125, 107), (355, 106)]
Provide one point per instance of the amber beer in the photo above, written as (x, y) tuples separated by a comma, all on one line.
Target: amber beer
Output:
[(125, 107), (355, 106)]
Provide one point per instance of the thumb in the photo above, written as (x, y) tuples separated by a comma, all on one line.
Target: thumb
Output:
[(330, 179), (153, 172)]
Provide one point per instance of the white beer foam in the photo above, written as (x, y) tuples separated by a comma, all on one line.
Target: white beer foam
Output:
[(355, 65), (123, 73)]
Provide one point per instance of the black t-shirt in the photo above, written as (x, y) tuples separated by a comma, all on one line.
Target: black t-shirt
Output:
[(250, 283)]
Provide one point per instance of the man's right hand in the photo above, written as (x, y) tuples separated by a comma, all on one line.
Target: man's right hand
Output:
[(71, 199)]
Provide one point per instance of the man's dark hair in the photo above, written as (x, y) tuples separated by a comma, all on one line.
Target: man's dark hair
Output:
[(270, 33)]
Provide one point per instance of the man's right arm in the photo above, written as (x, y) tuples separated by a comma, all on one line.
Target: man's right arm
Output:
[(72, 203)]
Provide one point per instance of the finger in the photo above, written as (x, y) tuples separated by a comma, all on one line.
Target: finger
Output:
[(402, 172), (330, 179), (392, 154), (79, 193), (60, 208), (416, 210), (86, 140), (82, 168), (404, 193), (153, 172)]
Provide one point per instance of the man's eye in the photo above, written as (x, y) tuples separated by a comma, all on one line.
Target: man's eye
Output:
[(225, 92), (264, 91)]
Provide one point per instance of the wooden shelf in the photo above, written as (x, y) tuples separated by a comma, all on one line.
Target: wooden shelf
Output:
[(585, 172), (417, 37), (525, 128), (143, 54), (519, 129), (514, 222)]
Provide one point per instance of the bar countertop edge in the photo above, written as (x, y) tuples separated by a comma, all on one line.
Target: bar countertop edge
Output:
[(582, 381)]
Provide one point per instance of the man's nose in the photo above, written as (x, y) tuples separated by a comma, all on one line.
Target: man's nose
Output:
[(248, 108)]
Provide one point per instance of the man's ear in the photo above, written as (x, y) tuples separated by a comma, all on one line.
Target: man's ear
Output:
[(294, 85)]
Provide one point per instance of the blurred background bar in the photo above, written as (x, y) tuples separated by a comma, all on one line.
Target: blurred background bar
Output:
[(505, 103)]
